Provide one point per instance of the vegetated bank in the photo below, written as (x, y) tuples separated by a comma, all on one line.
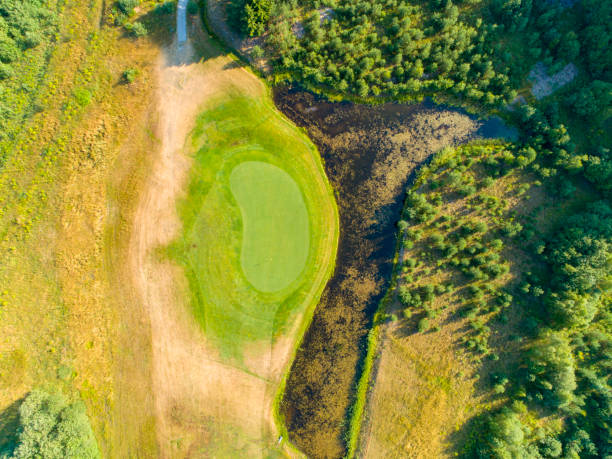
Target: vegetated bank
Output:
[(369, 155)]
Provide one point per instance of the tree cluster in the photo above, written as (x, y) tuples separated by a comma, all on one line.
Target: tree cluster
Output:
[(250, 17), (51, 428)]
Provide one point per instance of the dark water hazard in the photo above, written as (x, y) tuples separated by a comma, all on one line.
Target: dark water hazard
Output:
[(370, 154)]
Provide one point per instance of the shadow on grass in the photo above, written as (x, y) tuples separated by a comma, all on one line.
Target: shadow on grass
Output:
[(235, 64), (161, 31), (9, 425)]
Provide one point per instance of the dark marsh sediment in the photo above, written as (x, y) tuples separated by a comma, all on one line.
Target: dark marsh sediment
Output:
[(370, 154)]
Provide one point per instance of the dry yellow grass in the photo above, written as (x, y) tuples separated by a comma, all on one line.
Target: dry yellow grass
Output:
[(70, 322)]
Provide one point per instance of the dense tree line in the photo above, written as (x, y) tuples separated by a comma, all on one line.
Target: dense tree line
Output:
[(471, 51), (250, 17), (563, 372), (566, 365), (397, 49), (566, 369), (24, 24)]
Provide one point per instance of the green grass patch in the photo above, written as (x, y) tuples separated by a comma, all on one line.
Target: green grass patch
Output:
[(256, 224), (274, 225)]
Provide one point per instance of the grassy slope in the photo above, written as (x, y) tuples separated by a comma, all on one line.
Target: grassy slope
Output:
[(250, 331), (65, 318)]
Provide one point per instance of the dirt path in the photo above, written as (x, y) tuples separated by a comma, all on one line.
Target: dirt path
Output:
[(203, 407)]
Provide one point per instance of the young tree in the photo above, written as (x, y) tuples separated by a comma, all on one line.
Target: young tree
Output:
[(50, 428)]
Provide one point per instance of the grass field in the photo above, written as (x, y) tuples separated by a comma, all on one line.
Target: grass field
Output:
[(67, 186), (237, 238)]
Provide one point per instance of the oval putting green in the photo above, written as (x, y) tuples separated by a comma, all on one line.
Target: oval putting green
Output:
[(275, 228)]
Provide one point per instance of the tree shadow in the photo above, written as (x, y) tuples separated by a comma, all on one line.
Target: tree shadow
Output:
[(9, 428), (161, 31)]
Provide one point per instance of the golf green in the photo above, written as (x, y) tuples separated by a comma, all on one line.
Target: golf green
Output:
[(275, 237), (259, 227)]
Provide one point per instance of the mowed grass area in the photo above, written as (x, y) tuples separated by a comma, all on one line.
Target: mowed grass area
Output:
[(254, 225), (275, 230), (258, 244)]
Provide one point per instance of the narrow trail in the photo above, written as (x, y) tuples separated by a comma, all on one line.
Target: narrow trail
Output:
[(192, 388), (178, 365)]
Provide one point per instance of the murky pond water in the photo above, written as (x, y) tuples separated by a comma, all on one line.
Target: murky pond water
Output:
[(370, 154)]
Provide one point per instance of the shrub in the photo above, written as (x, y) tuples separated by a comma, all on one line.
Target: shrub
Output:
[(450, 251), (6, 71), (475, 291), (255, 16), (138, 29), (466, 190), (192, 7), (423, 325), (495, 270), (428, 292), (257, 52), (82, 96), (437, 239), (9, 52), (550, 447), (497, 244), (129, 75), (551, 370), (127, 6), (165, 8), (51, 428), (510, 229), (405, 295), (481, 227), (487, 182), (440, 289)]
